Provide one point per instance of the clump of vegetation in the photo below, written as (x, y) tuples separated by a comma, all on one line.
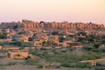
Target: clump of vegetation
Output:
[(54, 51), (96, 45), (57, 66), (87, 48), (55, 33), (15, 27), (103, 41), (90, 57), (14, 39), (99, 68), (82, 33), (43, 49), (45, 53), (31, 62), (30, 39), (84, 65), (71, 49), (11, 63), (74, 44), (64, 51), (21, 33), (3, 36), (28, 58), (65, 65), (77, 65), (61, 39), (40, 66), (81, 39), (1, 66)]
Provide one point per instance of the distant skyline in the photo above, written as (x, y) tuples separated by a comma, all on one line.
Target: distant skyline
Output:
[(53, 10)]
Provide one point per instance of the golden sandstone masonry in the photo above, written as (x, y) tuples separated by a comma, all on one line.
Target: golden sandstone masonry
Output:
[(27, 24)]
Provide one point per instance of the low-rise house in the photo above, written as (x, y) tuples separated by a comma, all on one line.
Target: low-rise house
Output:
[(1, 47), (29, 47), (21, 38), (37, 43), (93, 62), (64, 45), (57, 42), (11, 48), (69, 41), (77, 46), (5, 40), (71, 33), (29, 33), (18, 55)]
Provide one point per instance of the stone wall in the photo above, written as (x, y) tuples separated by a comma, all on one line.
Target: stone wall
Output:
[(25, 24)]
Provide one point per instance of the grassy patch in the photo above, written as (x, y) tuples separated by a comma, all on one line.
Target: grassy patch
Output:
[(11, 63), (31, 62)]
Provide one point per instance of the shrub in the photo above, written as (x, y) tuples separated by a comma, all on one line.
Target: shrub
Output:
[(82, 33), (64, 51), (83, 65), (99, 68), (55, 33), (96, 45), (74, 44), (58, 66), (61, 39), (103, 41), (65, 65), (54, 51), (3, 36), (43, 49), (81, 39), (11, 63), (40, 66), (71, 49), (31, 62), (87, 48), (30, 39), (96, 50), (45, 52), (16, 43), (28, 58), (15, 27)]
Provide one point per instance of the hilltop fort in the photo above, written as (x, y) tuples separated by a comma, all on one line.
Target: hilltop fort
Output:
[(51, 26)]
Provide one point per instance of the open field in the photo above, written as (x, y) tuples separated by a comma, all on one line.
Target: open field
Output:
[(61, 59)]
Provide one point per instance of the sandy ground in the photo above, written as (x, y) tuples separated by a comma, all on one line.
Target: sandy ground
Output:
[(20, 67)]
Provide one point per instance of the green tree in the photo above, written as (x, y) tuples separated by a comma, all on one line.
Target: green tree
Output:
[(93, 36), (81, 39), (82, 33), (91, 40), (44, 42), (96, 45), (3, 36), (48, 42), (55, 33), (30, 39), (103, 41), (61, 39)]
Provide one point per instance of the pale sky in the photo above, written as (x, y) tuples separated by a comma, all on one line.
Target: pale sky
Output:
[(53, 10)]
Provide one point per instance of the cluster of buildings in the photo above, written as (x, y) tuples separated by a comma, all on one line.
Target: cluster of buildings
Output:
[(43, 36)]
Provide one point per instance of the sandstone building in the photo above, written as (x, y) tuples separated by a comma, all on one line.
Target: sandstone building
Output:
[(17, 55)]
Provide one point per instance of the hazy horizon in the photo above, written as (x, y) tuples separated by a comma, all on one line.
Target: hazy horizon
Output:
[(53, 10)]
